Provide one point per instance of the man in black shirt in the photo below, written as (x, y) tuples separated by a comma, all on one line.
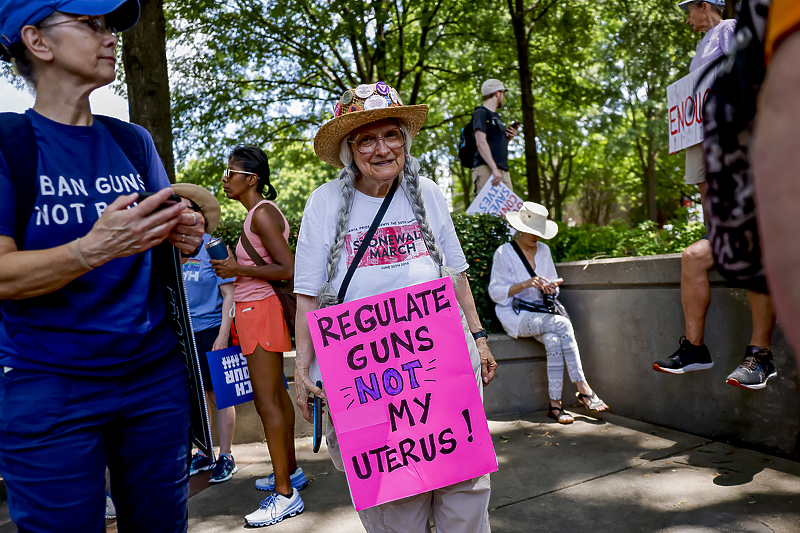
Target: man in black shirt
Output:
[(491, 138)]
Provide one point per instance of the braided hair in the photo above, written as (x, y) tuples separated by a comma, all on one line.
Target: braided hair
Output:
[(411, 188)]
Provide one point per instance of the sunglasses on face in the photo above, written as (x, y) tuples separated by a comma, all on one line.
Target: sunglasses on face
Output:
[(96, 23), (229, 172), (366, 143)]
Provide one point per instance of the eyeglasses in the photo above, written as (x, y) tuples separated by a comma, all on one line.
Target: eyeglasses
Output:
[(367, 143), (95, 22), (230, 172)]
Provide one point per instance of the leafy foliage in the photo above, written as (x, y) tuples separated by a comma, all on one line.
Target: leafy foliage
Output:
[(480, 236)]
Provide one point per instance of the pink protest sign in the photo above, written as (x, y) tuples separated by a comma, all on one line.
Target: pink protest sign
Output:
[(402, 393)]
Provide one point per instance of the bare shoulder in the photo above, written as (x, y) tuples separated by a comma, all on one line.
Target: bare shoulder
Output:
[(268, 215)]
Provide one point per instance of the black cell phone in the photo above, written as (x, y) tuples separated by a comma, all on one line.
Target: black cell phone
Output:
[(317, 420), (172, 200), (515, 125)]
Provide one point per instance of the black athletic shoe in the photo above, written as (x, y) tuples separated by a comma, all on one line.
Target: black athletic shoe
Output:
[(687, 358), (756, 369)]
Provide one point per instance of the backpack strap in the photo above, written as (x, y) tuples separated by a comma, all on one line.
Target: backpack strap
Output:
[(21, 153), (129, 140)]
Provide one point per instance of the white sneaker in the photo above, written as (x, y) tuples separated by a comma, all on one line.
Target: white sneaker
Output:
[(297, 480), (111, 511), (275, 508)]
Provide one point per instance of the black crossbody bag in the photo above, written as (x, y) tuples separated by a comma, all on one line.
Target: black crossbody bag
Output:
[(551, 304)]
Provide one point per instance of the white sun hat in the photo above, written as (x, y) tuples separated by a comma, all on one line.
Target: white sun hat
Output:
[(532, 218)]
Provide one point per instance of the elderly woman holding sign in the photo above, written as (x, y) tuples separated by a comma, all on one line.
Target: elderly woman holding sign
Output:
[(411, 240)]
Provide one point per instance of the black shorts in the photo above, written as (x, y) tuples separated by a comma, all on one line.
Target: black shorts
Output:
[(205, 343)]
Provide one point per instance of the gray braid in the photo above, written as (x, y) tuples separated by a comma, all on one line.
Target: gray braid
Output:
[(414, 194), (412, 190), (326, 295)]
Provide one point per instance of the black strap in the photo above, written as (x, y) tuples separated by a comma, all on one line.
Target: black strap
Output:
[(367, 238), (19, 149), (523, 258)]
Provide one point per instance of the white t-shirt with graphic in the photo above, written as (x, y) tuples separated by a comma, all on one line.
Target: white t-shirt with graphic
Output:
[(397, 256)]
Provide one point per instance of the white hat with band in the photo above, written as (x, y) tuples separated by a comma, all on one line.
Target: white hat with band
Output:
[(532, 218)]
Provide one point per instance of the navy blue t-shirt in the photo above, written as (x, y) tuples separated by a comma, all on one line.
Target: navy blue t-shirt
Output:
[(111, 320)]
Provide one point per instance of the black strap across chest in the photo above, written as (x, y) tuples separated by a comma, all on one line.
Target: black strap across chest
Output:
[(523, 258), (367, 238)]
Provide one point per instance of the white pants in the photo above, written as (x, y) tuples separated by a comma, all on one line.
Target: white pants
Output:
[(558, 337)]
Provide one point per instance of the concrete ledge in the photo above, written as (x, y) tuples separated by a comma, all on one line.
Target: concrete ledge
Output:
[(627, 313)]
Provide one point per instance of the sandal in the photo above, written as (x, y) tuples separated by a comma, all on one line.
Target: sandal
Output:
[(559, 415), (593, 403)]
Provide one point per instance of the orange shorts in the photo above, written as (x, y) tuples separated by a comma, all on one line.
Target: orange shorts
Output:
[(262, 323)]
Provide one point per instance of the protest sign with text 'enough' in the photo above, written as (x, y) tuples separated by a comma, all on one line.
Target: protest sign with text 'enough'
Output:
[(685, 102), (402, 392)]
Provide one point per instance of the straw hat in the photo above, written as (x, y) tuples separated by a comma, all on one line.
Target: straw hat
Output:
[(532, 218), (362, 105), (207, 202)]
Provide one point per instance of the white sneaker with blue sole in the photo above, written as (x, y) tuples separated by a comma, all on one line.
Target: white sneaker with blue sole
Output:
[(275, 508), (297, 479)]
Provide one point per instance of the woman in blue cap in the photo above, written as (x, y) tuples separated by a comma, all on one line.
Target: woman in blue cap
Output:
[(89, 371)]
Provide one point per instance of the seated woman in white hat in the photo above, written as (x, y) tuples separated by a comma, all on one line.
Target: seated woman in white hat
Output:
[(520, 295)]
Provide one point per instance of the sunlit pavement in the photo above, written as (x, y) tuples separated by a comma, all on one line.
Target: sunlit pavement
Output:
[(599, 474)]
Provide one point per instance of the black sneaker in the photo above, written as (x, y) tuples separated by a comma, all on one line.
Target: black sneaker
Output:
[(224, 469), (756, 369), (688, 358)]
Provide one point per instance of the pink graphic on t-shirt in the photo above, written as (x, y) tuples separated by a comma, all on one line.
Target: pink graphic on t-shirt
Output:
[(389, 245)]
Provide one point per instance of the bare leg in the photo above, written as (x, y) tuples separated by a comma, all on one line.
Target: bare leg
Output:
[(763, 319), (266, 376), (696, 261), (226, 423)]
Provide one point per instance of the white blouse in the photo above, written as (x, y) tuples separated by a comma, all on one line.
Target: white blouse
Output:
[(508, 270)]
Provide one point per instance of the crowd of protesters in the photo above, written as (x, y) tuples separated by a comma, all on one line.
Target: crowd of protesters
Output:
[(91, 373)]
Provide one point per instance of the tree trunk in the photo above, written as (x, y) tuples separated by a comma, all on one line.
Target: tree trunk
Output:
[(650, 183), (517, 11), (144, 56), (465, 178)]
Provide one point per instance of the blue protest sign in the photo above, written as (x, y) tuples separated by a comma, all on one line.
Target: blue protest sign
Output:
[(230, 376)]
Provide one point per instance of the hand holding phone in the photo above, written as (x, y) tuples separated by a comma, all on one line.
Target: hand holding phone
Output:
[(557, 282), (172, 200)]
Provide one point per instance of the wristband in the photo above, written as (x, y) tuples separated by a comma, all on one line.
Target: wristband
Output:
[(480, 333), (76, 247)]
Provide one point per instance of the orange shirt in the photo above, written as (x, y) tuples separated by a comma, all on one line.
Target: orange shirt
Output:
[(784, 18)]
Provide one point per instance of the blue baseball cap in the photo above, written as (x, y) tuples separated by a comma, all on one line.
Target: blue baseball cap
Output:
[(120, 15), (685, 4)]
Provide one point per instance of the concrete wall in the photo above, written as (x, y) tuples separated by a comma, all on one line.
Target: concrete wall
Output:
[(627, 313)]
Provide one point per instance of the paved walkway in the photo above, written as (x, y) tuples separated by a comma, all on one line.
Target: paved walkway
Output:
[(604, 474)]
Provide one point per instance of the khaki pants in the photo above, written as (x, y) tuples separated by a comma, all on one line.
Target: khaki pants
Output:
[(480, 175), (459, 508), (695, 165)]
